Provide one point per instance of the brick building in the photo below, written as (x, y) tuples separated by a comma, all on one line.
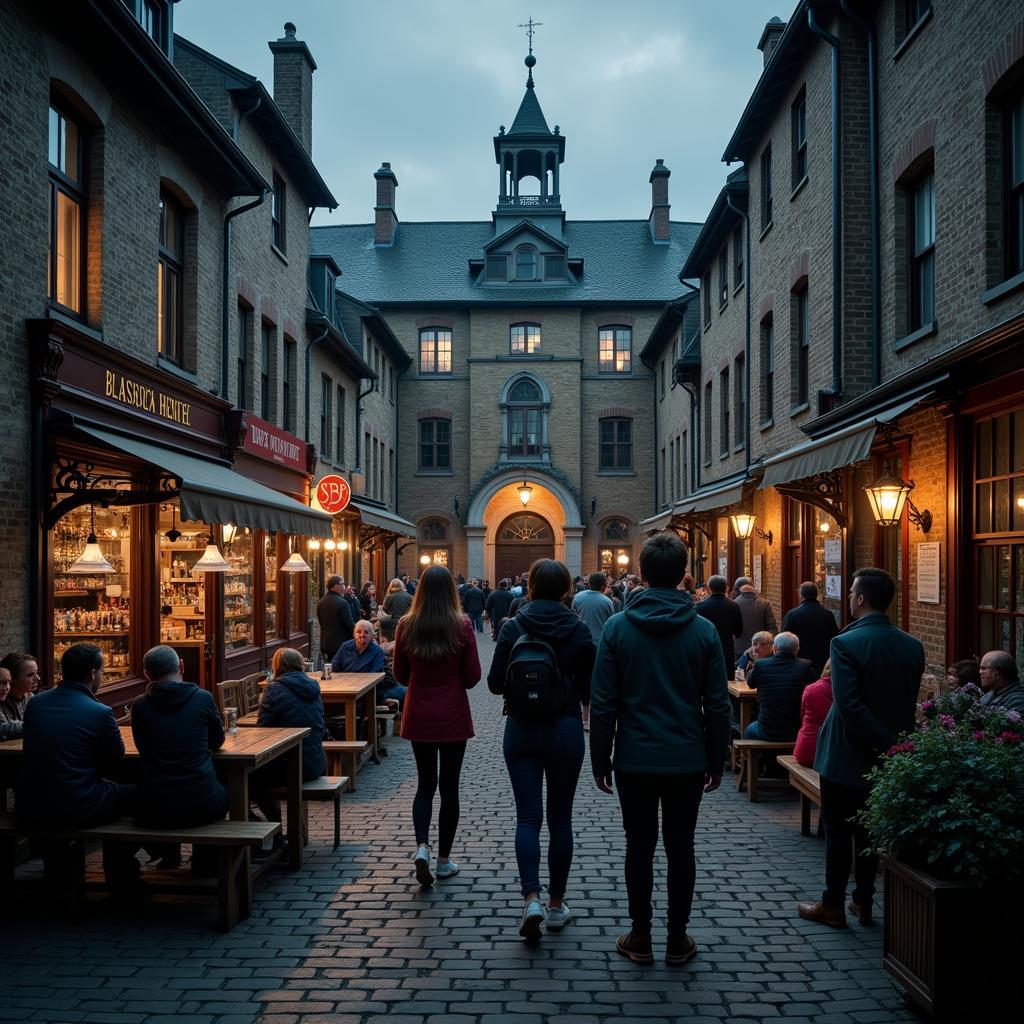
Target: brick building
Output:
[(876, 316), (526, 417)]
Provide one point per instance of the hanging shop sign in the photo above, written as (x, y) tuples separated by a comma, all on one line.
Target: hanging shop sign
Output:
[(333, 493), (266, 441)]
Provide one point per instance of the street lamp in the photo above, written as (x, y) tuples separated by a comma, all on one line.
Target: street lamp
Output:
[(743, 527), (524, 493), (887, 497)]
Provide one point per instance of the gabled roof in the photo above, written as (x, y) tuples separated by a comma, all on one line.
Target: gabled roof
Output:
[(249, 92), (719, 224), (378, 325), (672, 317), (526, 225), (529, 118), (428, 263)]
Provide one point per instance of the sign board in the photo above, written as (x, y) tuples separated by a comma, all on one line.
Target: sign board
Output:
[(833, 552), (834, 587), (266, 441), (758, 572), (929, 585), (333, 493)]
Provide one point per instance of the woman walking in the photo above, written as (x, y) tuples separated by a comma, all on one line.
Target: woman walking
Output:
[(544, 745), (436, 658)]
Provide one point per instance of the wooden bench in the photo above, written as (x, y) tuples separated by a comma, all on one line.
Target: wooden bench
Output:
[(344, 750), (747, 752), (807, 783), (326, 789), (231, 839)]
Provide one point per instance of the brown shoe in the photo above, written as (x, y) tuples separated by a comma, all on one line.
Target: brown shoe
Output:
[(862, 913), (636, 947), (821, 914)]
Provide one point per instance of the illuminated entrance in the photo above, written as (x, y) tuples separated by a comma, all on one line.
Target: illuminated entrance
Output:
[(521, 540)]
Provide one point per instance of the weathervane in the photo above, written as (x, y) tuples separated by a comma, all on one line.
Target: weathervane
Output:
[(530, 26)]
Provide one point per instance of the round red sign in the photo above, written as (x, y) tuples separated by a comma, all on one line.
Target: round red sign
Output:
[(333, 493)]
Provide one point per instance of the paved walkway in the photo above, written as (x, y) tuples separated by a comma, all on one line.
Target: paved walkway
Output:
[(351, 939)]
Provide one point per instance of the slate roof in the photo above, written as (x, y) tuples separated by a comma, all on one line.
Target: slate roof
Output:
[(529, 118), (428, 263)]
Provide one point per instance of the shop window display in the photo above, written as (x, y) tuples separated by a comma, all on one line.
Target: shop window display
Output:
[(94, 608), (272, 626), (238, 604), (182, 593)]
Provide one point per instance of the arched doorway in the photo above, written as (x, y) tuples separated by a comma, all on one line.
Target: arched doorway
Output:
[(522, 538)]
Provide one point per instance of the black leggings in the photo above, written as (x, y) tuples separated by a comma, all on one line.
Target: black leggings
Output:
[(427, 756)]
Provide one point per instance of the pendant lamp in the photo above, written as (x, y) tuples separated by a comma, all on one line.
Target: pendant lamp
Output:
[(173, 534), (295, 563), (212, 560), (91, 560)]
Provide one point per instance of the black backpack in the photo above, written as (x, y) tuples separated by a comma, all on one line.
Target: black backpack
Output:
[(534, 685)]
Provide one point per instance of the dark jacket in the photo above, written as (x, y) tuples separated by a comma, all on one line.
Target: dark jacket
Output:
[(348, 659), (294, 700), (815, 626), (71, 740), (757, 615), (1011, 698), (498, 605), (473, 601), (397, 604), (336, 623), (724, 614), (355, 609), (876, 675), (659, 689), (780, 681), (569, 638), (175, 726)]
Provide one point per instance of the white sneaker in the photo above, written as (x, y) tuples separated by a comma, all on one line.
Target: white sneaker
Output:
[(533, 918), (558, 917), (422, 866), (447, 869)]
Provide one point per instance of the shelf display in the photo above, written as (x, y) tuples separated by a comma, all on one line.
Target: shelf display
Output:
[(94, 608), (238, 588), (270, 586), (182, 594)]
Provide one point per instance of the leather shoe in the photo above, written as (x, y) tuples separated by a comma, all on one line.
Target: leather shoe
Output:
[(861, 912), (821, 914)]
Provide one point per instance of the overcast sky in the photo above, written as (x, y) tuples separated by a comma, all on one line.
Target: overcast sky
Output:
[(426, 83)]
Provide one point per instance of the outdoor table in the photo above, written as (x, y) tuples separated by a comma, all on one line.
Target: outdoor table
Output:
[(242, 753), (346, 689), (748, 701)]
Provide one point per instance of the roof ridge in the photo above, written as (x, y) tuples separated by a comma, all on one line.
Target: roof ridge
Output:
[(487, 223)]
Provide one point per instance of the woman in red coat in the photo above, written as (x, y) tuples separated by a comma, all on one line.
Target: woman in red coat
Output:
[(436, 657), (815, 705)]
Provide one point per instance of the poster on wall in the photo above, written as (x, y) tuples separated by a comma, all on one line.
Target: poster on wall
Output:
[(758, 571), (834, 586), (833, 552), (929, 586)]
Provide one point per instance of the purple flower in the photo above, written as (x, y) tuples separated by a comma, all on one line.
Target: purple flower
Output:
[(906, 747), (1008, 737), (979, 735), (948, 721), (1013, 716)]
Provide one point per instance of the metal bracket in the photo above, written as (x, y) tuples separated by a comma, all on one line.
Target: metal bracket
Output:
[(85, 487), (827, 491)]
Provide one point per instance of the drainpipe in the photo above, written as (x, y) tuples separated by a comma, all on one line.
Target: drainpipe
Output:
[(310, 345), (746, 343), (876, 247), (837, 226), (359, 417), (694, 446), (657, 503)]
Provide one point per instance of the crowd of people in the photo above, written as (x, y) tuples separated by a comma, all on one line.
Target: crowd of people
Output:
[(639, 659)]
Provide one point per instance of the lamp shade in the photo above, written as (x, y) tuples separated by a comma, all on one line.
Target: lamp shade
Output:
[(887, 496), (230, 531), (91, 560), (524, 493), (743, 524), (212, 560), (295, 563)]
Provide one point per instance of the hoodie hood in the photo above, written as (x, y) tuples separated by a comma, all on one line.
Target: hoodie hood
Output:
[(660, 611), (171, 696), (301, 685), (549, 620)]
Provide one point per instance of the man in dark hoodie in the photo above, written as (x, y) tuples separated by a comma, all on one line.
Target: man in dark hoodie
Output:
[(659, 695), (175, 726), (497, 607)]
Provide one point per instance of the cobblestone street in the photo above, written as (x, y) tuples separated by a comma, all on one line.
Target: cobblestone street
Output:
[(352, 939)]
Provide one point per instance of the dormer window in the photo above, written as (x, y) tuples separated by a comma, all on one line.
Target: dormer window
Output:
[(554, 266), (497, 268), (524, 339), (526, 263)]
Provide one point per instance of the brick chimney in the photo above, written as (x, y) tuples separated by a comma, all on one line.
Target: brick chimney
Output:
[(385, 218), (770, 37), (293, 84), (658, 220)]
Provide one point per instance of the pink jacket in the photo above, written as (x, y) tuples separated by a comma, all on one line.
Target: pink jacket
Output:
[(814, 706)]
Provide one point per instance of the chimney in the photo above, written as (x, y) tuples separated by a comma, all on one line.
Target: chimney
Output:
[(658, 220), (770, 38), (385, 218), (293, 84)]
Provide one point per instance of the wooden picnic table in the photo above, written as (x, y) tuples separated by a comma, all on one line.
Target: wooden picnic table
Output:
[(242, 753), (346, 689), (748, 702)]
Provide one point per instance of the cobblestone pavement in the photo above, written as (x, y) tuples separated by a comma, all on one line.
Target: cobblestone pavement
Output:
[(351, 939)]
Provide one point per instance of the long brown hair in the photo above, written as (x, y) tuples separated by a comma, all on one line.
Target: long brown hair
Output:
[(434, 625)]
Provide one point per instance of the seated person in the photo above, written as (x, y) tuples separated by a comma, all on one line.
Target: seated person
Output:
[(960, 673), (23, 673), (361, 653), (71, 742), (780, 681), (390, 688), (814, 706), (762, 645), (1000, 679), (10, 727), (291, 698), (175, 726)]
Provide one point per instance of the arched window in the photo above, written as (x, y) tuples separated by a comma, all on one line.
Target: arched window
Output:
[(434, 530), (526, 527), (615, 550), (525, 401), (615, 530), (526, 263), (524, 339), (523, 392)]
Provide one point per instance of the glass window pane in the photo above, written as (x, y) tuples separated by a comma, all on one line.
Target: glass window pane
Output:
[(172, 326), (625, 429), (1018, 578), (161, 336), (238, 605), (983, 515), (1017, 142), (983, 459), (273, 627), (1017, 508), (443, 430), (986, 632), (1003, 576), (1001, 449), (1001, 506), (607, 456), (1003, 638), (69, 249), (53, 149), (1018, 649), (924, 214), (444, 352)]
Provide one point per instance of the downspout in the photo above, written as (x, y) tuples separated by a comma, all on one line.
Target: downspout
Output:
[(657, 503), (876, 246), (747, 340), (359, 416), (837, 226), (393, 482), (694, 446)]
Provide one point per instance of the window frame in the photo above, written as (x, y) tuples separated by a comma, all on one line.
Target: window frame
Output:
[(1013, 192), (279, 214), (920, 261), (620, 446), (288, 353), (724, 395), (170, 266), (615, 330), (526, 327), (706, 288), (798, 133), (267, 330), (245, 313), (801, 345), (739, 402), (723, 277), (430, 425), (339, 426), (433, 336), (766, 188), (520, 251), (326, 416), (768, 369), (61, 183), (738, 256), (708, 422)]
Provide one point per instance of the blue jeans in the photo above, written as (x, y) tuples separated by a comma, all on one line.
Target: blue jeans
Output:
[(395, 692), (477, 618), (535, 751), (753, 731)]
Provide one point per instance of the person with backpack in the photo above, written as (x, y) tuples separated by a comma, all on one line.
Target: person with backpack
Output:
[(541, 666), (436, 657)]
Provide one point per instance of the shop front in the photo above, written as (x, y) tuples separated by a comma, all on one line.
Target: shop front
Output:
[(152, 521)]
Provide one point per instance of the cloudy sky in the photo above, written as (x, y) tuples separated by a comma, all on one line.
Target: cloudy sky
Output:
[(426, 83)]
